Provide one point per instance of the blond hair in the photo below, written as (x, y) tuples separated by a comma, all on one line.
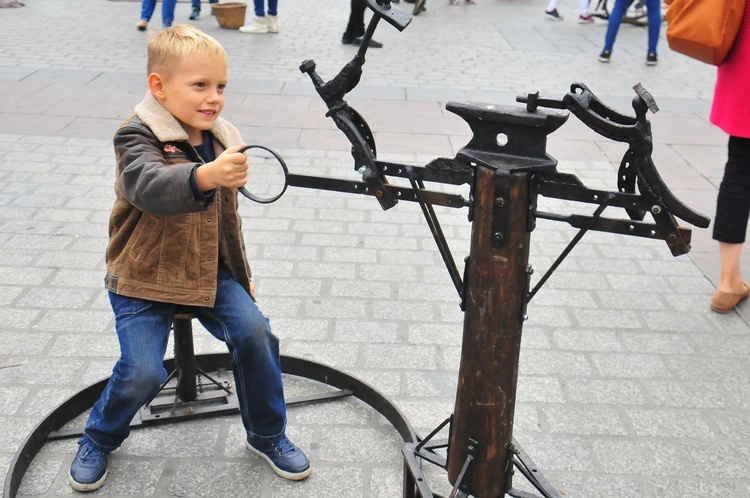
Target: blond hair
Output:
[(169, 47)]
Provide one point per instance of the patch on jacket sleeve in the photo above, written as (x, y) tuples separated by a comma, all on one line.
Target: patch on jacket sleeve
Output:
[(170, 149)]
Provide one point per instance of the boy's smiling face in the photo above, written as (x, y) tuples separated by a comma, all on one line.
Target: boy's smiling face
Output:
[(193, 93)]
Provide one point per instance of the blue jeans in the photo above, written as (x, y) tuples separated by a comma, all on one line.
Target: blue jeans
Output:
[(167, 11), (618, 12), (196, 4), (259, 4), (143, 330)]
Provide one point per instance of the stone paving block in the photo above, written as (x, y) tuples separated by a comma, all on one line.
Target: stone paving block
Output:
[(647, 458), (280, 306), (724, 460), (688, 394), (656, 343), (41, 477), (585, 420), (184, 440), (386, 356), (217, 479), (587, 340), (23, 343), (556, 316), (11, 399), (558, 452), (323, 270), (534, 389), (56, 298), (575, 281), (703, 369), (738, 393), (13, 431), (445, 334), (84, 345), (631, 300), (604, 392), (675, 321), (539, 362), (355, 445), (599, 318), (675, 488), (336, 308), (567, 298), (339, 356), (594, 487), (360, 331), (300, 329), (15, 318), (670, 424), (384, 482), (630, 366), (430, 384)]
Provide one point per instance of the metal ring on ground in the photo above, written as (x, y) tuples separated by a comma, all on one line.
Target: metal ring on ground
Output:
[(267, 200), (85, 399)]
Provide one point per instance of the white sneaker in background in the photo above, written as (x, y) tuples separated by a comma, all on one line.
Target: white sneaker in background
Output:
[(258, 26)]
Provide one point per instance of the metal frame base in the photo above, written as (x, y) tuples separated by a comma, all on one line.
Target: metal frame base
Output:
[(85, 399)]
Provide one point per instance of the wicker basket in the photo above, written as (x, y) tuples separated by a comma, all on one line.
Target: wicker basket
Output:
[(230, 15)]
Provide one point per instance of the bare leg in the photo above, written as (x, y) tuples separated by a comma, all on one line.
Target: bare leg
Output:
[(730, 278)]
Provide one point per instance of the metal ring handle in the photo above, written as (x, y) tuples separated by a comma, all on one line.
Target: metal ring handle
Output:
[(267, 200)]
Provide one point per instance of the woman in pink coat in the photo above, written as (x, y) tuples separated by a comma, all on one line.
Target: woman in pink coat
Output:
[(731, 113)]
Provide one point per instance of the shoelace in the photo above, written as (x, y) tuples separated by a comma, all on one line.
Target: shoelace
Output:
[(284, 446), (90, 453)]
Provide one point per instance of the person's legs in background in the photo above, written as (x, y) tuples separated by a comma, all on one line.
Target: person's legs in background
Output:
[(147, 10), (613, 26), (356, 26), (262, 23), (730, 225), (551, 11), (195, 10), (355, 29), (584, 17), (653, 11), (167, 12)]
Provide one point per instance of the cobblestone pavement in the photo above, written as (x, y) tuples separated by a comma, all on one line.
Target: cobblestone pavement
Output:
[(628, 385)]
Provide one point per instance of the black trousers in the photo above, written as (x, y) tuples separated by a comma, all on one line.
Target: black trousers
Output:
[(733, 202), (356, 26)]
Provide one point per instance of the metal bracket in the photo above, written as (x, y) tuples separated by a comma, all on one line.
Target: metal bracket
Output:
[(500, 213)]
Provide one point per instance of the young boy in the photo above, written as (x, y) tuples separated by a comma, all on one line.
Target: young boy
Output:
[(176, 243)]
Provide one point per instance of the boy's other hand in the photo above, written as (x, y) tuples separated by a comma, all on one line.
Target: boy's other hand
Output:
[(227, 170)]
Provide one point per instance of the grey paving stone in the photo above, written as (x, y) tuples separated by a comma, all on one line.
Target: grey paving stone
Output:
[(640, 457), (604, 392), (670, 424), (687, 394)]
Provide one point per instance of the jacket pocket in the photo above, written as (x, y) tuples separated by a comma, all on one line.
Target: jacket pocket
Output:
[(146, 238), (174, 259)]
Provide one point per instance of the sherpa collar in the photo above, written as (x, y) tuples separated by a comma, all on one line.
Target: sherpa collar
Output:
[(168, 129)]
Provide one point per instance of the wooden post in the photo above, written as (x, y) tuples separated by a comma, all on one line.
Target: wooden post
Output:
[(508, 147), (495, 293)]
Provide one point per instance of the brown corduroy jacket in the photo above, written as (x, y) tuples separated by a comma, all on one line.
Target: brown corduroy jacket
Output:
[(164, 244)]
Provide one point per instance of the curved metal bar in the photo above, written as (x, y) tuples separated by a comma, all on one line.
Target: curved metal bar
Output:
[(84, 399)]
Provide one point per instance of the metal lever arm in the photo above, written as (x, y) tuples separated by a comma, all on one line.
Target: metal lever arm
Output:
[(637, 166)]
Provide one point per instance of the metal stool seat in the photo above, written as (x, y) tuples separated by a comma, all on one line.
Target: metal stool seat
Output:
[(184, 393)]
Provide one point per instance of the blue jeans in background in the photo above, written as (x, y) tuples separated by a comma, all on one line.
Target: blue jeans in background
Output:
[(196, 4), (167, 11), (143, 331), (259, 7), (618, 12)]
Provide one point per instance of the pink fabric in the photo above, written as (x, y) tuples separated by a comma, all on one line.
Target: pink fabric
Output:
[(731, 105)]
